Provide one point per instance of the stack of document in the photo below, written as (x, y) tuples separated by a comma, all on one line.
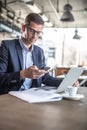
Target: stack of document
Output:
[(35, 95)]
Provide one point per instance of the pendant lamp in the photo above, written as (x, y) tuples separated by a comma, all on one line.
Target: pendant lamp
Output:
[(67, 15), (76, 36)]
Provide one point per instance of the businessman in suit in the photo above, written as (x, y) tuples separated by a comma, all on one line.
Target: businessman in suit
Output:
[(21, 61)]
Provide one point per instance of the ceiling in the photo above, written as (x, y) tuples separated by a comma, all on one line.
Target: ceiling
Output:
[(52, 9)]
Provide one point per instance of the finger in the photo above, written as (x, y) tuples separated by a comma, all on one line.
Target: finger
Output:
[(33, 67), (41, 71), (37, 76)]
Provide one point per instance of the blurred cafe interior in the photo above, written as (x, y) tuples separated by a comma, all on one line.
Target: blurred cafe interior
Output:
[(64, 35)]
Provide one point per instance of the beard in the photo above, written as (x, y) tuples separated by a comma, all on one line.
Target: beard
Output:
[(29, 41)]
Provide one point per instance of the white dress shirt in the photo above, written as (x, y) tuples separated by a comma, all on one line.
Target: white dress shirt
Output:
[(27, 62)]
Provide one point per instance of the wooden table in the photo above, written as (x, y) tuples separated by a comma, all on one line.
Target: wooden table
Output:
[(16, 114)]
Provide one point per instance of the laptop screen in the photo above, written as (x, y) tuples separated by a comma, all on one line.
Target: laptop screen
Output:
[(70, 78)]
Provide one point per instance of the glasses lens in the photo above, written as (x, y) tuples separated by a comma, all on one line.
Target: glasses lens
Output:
[(38, 33)]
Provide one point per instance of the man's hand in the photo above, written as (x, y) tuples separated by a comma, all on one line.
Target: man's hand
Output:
[(76, 84), (32, 72)]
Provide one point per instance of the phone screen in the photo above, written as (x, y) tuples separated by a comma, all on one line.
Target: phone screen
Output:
[(46, 68)]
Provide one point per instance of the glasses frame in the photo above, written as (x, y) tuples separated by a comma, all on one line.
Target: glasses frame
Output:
[(33, 31)]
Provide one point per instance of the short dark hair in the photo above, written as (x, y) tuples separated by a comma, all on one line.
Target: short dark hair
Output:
[(34, 17)]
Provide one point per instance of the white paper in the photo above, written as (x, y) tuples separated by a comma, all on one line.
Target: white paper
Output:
[(34, 95)]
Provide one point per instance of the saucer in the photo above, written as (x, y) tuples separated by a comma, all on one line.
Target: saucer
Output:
[(76, 97)]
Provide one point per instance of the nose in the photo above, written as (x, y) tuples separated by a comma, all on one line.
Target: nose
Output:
[(35, 35)]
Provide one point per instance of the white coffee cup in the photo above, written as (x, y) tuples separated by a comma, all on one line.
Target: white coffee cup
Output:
[(71, 90)]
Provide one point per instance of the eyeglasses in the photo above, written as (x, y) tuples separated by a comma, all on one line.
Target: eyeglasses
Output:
[(38, 33)]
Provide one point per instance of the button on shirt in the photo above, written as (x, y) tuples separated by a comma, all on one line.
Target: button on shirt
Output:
[(27, 62)]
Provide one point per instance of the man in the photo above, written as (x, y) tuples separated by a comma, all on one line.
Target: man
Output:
[(21, 61)]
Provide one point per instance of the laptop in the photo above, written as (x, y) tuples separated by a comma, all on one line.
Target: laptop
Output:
[(70, 78)]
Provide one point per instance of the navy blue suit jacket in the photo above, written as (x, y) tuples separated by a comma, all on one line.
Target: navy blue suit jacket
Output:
[(11, 62)]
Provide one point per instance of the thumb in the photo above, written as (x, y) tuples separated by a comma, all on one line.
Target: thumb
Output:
[(34, 67)]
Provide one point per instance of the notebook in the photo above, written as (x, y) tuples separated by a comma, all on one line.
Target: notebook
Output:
[(70, 78)]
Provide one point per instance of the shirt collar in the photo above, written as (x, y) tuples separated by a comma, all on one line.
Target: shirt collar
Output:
[(23, 47)]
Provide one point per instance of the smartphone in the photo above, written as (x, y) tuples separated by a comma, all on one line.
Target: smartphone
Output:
[(46, 68)]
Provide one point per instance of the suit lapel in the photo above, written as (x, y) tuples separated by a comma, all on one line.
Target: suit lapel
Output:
[(34, 57), (19, 52)]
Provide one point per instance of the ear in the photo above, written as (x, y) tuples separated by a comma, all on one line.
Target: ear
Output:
[(23, 27)]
